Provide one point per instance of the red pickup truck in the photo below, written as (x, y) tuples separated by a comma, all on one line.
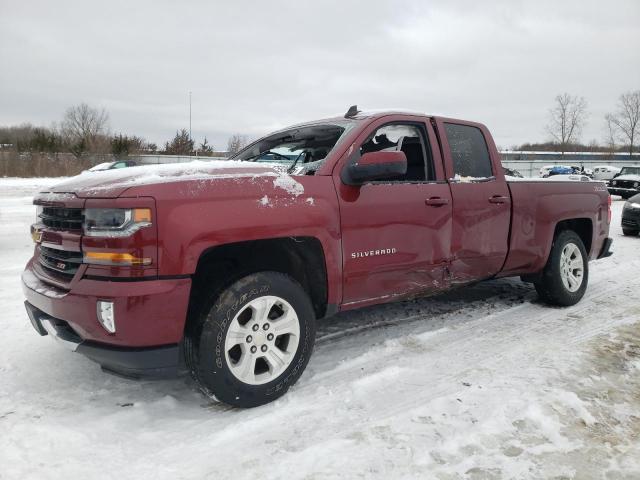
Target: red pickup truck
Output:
[(222, 268)]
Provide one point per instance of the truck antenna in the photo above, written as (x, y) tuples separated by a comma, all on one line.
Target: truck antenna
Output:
[(352, 112)]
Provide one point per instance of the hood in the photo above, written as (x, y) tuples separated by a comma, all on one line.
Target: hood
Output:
[(631, 176), (113, 183)]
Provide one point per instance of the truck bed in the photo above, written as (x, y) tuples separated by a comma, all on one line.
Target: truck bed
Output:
[(536, 208)]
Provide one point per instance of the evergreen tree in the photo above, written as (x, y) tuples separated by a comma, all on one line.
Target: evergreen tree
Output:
[(205, 148), (180, 145)]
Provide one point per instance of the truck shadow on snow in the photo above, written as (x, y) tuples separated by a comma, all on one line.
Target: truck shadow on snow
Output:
[(75, 376), (371, 325), (434, 312)]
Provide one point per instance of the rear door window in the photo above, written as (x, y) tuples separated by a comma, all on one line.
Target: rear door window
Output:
[(469, 151)]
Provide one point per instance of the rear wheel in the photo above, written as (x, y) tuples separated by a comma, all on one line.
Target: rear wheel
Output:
[(630, 232), (254, 342), (566, 274)]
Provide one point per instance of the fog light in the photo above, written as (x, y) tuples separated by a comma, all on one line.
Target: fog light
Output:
[(106, 315)]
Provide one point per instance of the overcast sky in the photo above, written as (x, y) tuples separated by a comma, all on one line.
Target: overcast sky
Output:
[(257, 66)]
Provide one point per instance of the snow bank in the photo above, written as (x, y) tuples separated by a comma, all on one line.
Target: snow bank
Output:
[(8, 182)]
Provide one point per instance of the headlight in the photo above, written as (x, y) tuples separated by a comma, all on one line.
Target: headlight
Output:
[(115, 222), (614, 182), (632, 205), (635, 184)]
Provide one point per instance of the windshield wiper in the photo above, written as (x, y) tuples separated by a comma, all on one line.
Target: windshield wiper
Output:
[(269, 152), (295, 162)]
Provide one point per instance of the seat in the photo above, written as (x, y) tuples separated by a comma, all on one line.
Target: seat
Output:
[(412, 148)]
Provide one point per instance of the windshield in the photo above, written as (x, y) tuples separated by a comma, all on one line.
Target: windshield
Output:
[(630, 171), (101, 166), (302, 150)]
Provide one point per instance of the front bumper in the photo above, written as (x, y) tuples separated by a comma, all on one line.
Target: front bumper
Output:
[(150, 362), (149, 315), (605, 251), (631, 218), (623, 191)]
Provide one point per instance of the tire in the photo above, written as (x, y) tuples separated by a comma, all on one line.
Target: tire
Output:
[(234, 357), (555, 286), (629, 232)]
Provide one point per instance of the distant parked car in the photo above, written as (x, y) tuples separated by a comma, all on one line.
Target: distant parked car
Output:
[(544, 171), (605, 172), (631, 216), (586, 171), (572, 177), (570, 170), (510, 172), (549, 170), (626, 183), (112, 165), (561, 170)]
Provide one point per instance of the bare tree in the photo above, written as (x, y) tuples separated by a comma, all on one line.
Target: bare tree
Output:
[(566, 120), (236, 143), (85, 128), (610, 133), (627, 118)]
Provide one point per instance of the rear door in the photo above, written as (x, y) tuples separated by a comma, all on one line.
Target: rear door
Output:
[(395, 233), (481, 201)]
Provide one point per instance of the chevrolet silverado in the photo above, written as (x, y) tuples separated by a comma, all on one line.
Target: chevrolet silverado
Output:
[(221, 269)]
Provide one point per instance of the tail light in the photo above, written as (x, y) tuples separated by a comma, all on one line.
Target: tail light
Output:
[(609, 208)]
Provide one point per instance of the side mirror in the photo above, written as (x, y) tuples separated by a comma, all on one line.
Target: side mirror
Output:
[(375, 166)]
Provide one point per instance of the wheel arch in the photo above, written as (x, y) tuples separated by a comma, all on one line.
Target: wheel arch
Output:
[(583, 227), (219, 266)]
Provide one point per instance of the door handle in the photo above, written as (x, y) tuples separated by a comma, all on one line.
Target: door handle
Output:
[(499, 199), (436, 201)]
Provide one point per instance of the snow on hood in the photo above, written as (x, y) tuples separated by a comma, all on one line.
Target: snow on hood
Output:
[(112, 183)]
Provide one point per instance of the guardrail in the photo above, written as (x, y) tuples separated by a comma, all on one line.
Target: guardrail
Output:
[(531, 168)]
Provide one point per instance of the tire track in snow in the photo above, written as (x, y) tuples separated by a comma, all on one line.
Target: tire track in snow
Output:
[(505, 331), (494, 342)]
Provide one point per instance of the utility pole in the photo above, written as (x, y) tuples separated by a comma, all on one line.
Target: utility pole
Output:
[(189, 115)]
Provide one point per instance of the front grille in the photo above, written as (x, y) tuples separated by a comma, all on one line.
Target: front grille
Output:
[(62, 218), (626, 183), (628, 222), (61, 264)]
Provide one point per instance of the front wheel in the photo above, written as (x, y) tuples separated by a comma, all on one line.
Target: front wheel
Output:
[(630, 232), (566, 274), (254, 342)]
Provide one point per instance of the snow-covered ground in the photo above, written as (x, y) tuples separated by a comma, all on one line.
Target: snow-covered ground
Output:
[(481, 383)]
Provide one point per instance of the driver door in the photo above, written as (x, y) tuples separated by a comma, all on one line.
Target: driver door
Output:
[(396, 233)]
